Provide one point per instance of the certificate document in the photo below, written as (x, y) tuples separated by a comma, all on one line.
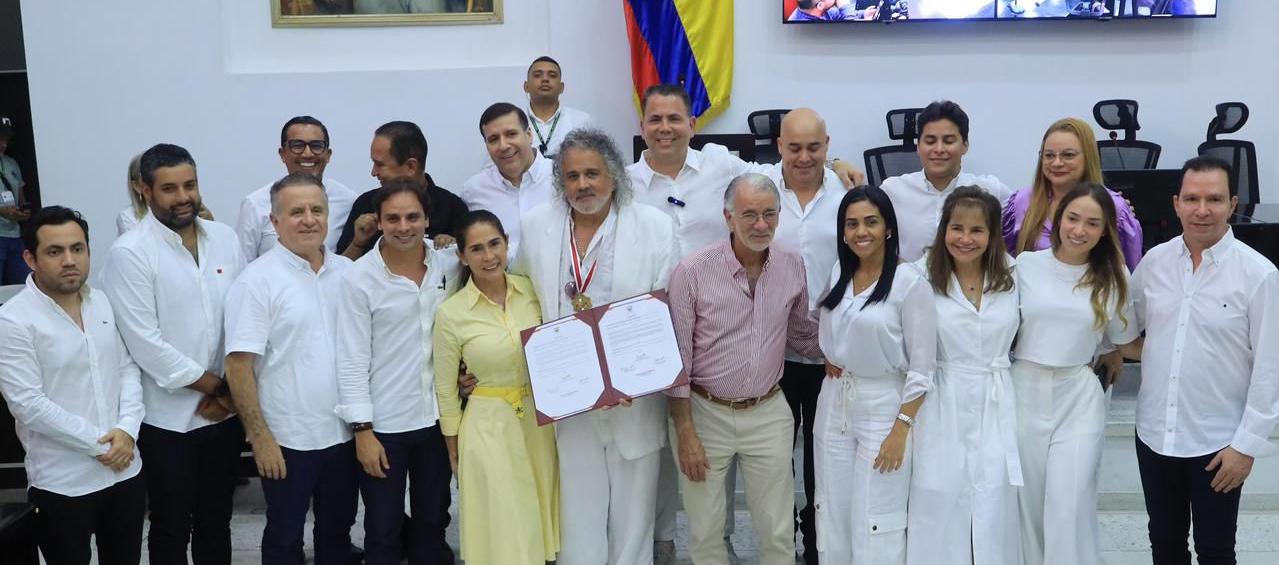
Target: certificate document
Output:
[(598, 357)]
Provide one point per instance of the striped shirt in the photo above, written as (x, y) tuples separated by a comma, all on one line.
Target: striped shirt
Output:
[(732, 342)]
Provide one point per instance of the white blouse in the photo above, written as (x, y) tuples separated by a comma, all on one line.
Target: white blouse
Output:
[(1057, 325), (895, 336), (979, 339)]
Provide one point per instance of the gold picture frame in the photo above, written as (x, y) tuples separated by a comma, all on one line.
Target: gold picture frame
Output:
[(381, 13)]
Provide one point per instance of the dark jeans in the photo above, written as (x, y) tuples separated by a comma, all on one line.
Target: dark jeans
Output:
[(114, 514), (323, 477), (801, 384), (190, 481), (420, 457), (1176, 490), (13, 269)]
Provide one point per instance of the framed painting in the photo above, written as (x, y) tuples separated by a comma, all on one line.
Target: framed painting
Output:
[(368, 13)]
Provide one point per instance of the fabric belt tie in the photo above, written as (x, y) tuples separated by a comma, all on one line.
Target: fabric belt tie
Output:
[(848, 392), (1001, 396), (513, 395)]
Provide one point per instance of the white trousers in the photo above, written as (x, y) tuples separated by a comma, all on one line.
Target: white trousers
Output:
[(760, 438), (606, 502), (1061, 419), (861, 513)]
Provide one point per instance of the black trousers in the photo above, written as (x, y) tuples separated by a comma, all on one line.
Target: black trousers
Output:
[(1178, 491), (114, 514), (190, 480), (420, 459), (323, 480), (801, 383)]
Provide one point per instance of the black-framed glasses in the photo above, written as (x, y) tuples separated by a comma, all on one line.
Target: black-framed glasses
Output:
[(298, 146)]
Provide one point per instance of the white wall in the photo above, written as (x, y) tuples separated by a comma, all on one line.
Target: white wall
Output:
[(108, 79)]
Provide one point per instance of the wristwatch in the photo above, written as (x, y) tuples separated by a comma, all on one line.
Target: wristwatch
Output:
[(910, 422), (223, 389), (361, 426)]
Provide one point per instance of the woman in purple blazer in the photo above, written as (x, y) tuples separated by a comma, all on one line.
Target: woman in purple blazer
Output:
[(1067, 156)]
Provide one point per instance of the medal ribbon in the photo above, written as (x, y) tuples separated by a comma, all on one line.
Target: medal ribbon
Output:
[(582, 284)]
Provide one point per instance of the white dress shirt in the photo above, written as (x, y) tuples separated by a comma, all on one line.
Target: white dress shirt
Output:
[(699, 186), (384, 327), (810, 230), (1210, 364), (1057, 324), (599, 251), (896, 336), (283, 312), (67, 387), (126, 220), (169, 309), (256, 233), (553, 131), (489, 190), (918, 204)]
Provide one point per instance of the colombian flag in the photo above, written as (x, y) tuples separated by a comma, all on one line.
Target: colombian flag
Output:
[(687, 42)]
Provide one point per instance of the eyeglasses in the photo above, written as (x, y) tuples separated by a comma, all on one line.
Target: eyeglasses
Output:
[(1066, 156), (769, 216), (298, 146)]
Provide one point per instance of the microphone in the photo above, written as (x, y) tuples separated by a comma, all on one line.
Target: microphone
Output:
[(1114, 139), (675, 201)]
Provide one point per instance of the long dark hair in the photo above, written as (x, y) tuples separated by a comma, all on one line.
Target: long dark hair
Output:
[(470, 219), (994, 261), (1106, 267), (849, 262)]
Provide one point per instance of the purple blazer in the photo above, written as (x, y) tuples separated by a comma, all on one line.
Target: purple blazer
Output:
[(1129, 228)]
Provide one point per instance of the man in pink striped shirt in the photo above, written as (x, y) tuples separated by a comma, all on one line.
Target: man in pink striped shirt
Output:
[(736, 307)]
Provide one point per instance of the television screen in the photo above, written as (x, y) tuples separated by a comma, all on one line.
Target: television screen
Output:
[(933, 10)]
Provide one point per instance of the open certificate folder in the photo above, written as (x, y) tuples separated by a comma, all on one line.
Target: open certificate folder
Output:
[(598, 357)]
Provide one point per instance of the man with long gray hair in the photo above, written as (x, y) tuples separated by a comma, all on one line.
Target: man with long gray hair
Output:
[(592, 245)]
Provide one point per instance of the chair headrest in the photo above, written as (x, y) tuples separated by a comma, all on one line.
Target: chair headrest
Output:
[(902, 125), (766, 124), (1117, 115), (1231, 116)]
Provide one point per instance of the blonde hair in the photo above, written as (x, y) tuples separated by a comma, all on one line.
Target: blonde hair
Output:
[(135, 196), (1033, 224)]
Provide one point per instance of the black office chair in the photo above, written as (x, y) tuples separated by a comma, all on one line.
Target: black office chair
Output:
[(1242, 155), (1128, 153), (766, 126), (894, 160), (743, 144)]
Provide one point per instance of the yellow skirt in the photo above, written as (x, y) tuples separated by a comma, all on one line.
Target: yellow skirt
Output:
[(508, 484)]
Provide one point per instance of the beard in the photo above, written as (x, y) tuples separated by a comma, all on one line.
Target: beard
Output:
[(176, 221)]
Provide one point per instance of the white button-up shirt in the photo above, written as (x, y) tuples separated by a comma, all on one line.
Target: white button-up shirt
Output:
[(489, 190), (699, 187), (1057, 324), (257, 235), (169, 309), (553, 131), (384, 327), (897, 336), (67, 387), (284, 312), (917, 204), (810, 230), (1210, 364)]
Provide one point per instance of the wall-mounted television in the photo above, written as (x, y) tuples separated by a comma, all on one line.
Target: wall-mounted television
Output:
[(869, 11)]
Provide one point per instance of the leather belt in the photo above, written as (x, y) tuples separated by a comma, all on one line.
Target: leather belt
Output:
[(740, 404)]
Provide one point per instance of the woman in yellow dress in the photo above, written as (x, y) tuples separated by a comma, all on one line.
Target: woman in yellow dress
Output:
[(505, 464)]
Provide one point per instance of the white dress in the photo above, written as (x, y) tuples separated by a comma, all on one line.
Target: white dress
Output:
[(1061, 409), (888, 352), (963, 494)]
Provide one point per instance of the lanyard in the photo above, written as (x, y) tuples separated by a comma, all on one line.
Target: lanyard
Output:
[(542, 141)]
